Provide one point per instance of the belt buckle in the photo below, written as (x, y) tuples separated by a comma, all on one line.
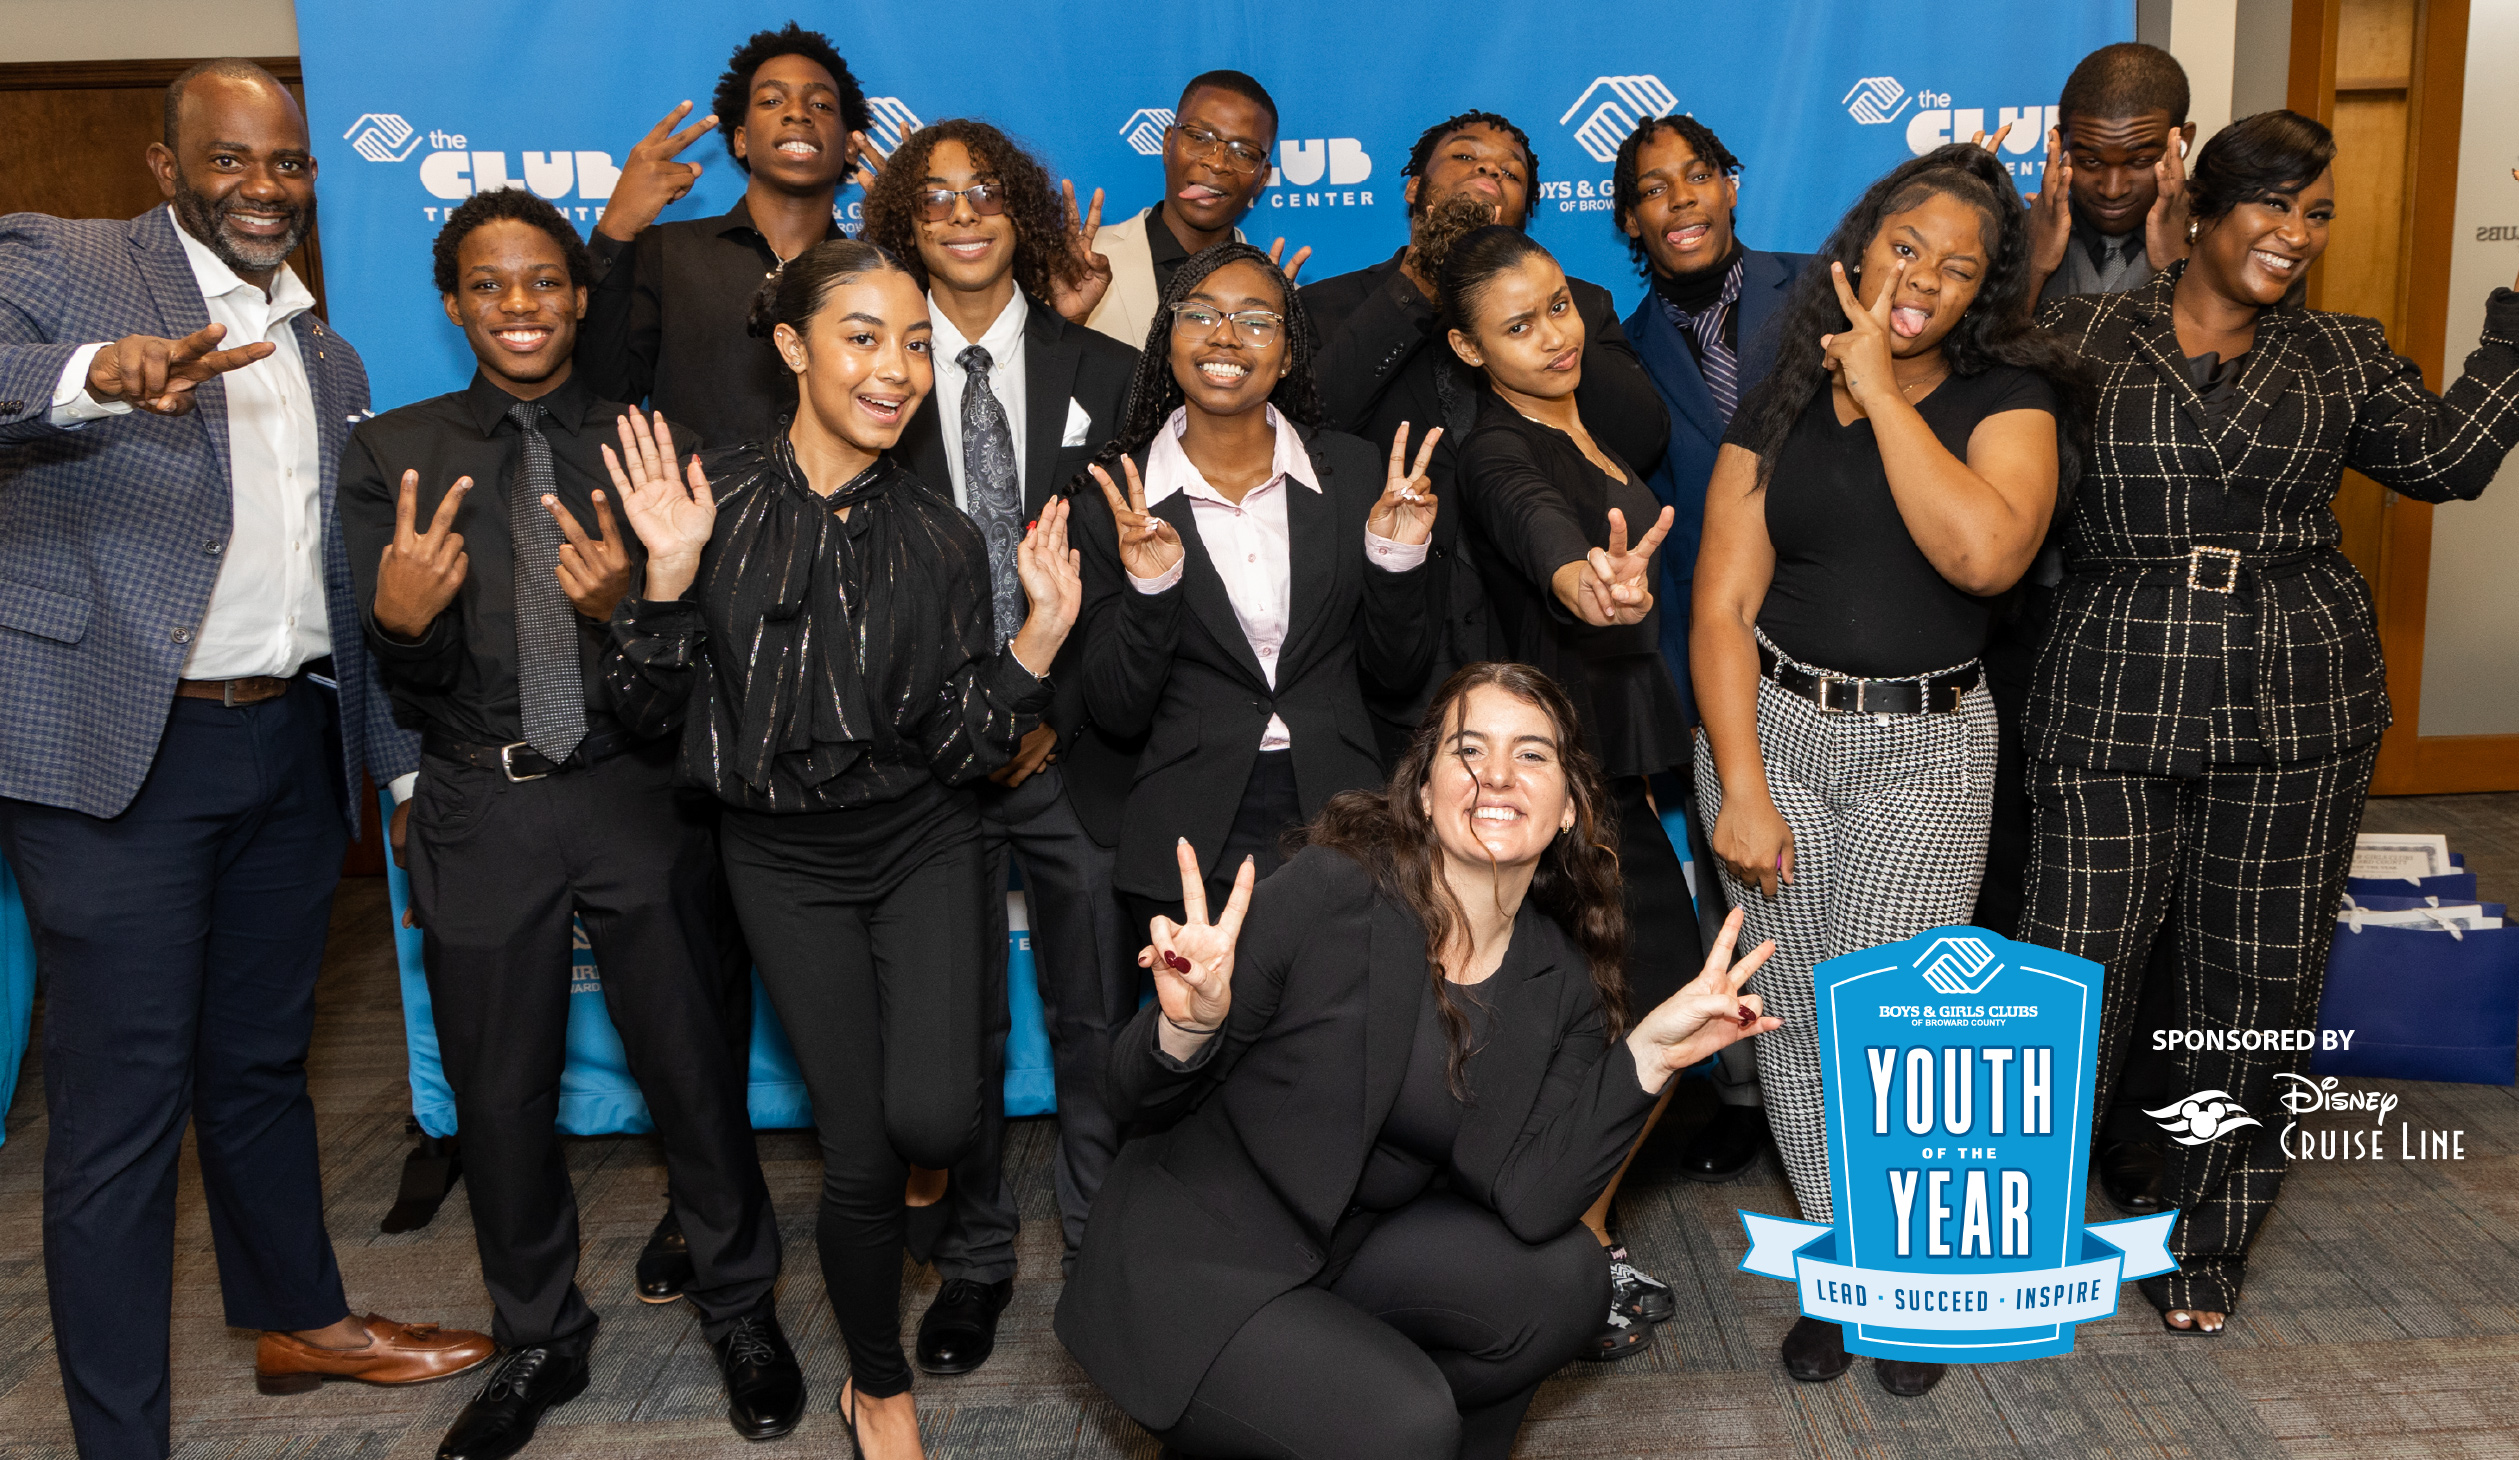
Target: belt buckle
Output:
[(507, 762), (2229, 557), (1827, 704)]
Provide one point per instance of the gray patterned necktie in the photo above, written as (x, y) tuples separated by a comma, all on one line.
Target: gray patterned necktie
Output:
[(2116, 259), (988, 483), (550, 688)]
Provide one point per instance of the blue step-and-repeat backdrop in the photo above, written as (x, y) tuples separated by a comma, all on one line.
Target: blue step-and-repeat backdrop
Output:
[(413, 109)]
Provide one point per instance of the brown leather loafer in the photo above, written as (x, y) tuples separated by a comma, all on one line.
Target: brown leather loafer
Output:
[(395, 1353)]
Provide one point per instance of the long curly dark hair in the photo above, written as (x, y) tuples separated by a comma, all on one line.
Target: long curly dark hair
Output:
[(1388, 833), (1997, 328), (1153, 393), (1039, 214)]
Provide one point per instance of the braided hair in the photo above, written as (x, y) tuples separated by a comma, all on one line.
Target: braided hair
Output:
[(1154, 394)]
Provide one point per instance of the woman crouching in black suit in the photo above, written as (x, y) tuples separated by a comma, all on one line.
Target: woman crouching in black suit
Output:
[(1382, 1089)]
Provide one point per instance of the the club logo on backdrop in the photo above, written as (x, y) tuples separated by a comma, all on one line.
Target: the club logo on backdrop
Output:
[(893, 120), (2206, 1115), (1958, 1070), (382, 137), (1876, 99), (1144, 129), (1629, 100)]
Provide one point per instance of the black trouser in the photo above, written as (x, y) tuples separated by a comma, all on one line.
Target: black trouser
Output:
[(1088, 991), (2251, 861), (178, 944), (498, 869), (883, 1000), (1268, 810), (1664, 947), (1428, 1346)]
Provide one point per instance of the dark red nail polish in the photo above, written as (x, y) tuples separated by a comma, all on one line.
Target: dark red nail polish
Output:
[(1748, 1016), (1175, 962)]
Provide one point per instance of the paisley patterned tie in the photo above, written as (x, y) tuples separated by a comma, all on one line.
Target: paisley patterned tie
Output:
[(989, 484)]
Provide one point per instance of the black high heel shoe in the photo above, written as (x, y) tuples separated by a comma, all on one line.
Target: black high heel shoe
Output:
[(848, 1411)]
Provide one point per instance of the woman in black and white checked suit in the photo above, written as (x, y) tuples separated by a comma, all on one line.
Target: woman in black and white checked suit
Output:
[(1897, 470), (2209, 699)]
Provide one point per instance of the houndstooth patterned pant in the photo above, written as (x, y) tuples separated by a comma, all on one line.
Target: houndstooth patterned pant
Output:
[(2251, 861), (1889, 816)]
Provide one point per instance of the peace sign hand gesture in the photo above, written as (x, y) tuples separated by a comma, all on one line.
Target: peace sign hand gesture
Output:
[(652, 181), (1405, 513), (1149, 547), (156, 375), (1859, 356), (420, 572), (2165, 226), (1192, 960), (674, 523), (1076, 289), (2051, 212), (1293, 266), (1705, 1015), (870, 160), (594, 573), (1611, 586)]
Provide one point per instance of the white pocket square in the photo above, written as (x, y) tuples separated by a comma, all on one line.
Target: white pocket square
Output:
[(1078, 424)]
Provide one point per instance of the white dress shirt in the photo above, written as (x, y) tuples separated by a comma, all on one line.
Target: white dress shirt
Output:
[(1004, 343), (1249, 543), (267, 611)]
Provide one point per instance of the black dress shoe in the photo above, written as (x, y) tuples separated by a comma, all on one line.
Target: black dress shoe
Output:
[(2129, 1172), (765, 1389), (501, 1418), (664, 1267), (1905, 1379), (1727, 1145), (1815, 1351), (960, 1329)]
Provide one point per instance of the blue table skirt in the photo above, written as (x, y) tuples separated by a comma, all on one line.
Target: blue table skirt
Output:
[(597, 1095)]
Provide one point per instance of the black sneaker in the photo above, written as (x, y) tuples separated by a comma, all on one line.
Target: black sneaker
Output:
[(1620, 1337), (1636, 1293)]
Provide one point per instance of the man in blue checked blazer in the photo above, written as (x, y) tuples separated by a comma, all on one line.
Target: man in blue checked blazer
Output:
[(190, 712)]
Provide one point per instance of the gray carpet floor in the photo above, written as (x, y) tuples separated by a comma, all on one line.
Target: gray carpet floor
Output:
[(2382, 1316)]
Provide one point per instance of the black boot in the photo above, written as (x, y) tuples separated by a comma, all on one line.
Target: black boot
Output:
[(1815, 1351), (1908, 1380)]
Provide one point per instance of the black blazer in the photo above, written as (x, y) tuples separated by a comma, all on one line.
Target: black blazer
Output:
[(1061, 362), (1381, 351), (1264, 1135), (1175, 668), (2141, 649)]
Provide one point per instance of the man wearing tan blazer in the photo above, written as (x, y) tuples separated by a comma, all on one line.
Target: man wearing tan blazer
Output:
[(1215, 162)]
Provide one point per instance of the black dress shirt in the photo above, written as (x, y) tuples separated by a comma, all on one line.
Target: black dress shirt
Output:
[(819, 664), (459, 679), (1164, 250), (667, 324)]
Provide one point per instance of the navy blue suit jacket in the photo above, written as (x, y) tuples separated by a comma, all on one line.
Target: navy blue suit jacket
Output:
[(1697, 432), (111, 533)]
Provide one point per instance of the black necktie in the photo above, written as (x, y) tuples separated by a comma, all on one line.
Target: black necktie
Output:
[(550, 689), (988, 482)]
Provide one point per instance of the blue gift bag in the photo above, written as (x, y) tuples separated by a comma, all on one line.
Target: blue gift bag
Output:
[(17, 983), (2422, 1005)]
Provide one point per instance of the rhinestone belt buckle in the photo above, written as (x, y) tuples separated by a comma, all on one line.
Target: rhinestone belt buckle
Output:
[(2229, 559)]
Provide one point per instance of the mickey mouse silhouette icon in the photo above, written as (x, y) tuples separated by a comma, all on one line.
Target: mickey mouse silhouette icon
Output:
[(2203, 1116)]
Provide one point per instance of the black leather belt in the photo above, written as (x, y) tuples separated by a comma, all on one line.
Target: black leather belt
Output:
[(2205, 569), (519, 761), (1837, 694)]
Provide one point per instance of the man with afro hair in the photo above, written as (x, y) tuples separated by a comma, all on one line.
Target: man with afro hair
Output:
[(665, 322)]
